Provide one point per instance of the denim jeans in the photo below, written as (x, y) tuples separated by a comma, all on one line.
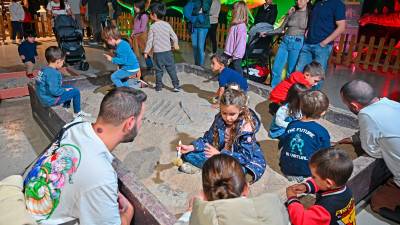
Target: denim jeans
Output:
[(313, 52), (161, 60), (67, 96), (120, 78), (289, 50), (16, 30), (199, 36), (197, 159)]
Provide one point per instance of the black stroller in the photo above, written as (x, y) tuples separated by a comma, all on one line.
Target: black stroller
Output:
[(260, 49), (70, 40)]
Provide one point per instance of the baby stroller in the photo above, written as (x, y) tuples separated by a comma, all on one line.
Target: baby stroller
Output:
[(260, 49), (70, 40)]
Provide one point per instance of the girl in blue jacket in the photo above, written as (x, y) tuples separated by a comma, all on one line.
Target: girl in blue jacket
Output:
[(233, 133)]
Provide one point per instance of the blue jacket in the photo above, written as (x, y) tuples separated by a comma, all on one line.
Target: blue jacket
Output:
[(245, 147), (49, 86), (125, 58)]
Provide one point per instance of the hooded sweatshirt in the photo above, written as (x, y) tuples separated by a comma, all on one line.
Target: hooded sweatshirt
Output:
[(279, 93)]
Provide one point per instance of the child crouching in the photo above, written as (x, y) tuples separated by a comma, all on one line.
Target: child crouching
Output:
[(334, 205), (233, 133)]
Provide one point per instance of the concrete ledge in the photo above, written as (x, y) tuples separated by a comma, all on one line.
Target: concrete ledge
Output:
[(367, 175)]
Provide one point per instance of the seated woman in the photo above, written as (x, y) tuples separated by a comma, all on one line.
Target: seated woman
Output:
[(224, 199), (233, 132)]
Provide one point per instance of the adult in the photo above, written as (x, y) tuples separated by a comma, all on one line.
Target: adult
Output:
[(292, 42), (380, 138), (80, 180), (201, 11), (212, 33), (224, 199), (98, 11), (76, 11), (327, 21), (265, 18), (58, 7)]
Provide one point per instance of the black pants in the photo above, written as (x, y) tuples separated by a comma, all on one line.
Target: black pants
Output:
[(212, 35), (237, 65), (165, 59), (16, 29)]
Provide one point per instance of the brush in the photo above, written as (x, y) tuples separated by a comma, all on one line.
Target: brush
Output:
[(178, 161)]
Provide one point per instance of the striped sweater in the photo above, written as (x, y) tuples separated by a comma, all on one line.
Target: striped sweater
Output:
[(160, 37)]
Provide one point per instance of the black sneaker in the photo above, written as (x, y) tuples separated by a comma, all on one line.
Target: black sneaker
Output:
[(158, 89)]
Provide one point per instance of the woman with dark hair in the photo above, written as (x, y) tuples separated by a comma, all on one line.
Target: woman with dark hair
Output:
[(140, 30), (224, 199)]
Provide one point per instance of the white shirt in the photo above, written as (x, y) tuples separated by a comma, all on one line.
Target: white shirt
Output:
[(75, 6), (92, 192), (380, 133), (16, 11), (55, 9)]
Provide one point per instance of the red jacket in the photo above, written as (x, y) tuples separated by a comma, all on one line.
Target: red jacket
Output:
[(279, 93), (332, 207)]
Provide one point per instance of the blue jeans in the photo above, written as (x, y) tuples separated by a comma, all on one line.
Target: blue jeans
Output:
[(120, 78), (16, 30), (314, 52), (288, 51), (199, 36), (67, 96), (197, 159)]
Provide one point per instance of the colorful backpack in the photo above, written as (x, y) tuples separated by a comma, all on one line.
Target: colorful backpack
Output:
[(48, 175)]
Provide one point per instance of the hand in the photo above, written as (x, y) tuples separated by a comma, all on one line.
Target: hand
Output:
[(322, 44), (22, 57), (68, 89), (186, 148), (210, 151), (290, 192), (145, 55), (108, 57), (291, 10), (126, 209), (299, 188), (176, 47)]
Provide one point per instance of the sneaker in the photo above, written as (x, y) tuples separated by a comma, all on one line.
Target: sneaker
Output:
[(82, 114), (188, 168), (158, 89), (176, 89)]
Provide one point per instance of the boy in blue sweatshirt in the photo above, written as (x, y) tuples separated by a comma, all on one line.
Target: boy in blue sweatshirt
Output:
[(28, 52), (304, 137), (124, 57), (49, 86)]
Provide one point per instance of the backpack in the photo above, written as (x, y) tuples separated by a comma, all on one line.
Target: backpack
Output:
[(48, 175)]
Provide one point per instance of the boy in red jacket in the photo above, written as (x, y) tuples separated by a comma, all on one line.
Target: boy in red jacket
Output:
[(312, 74), (334, 205)]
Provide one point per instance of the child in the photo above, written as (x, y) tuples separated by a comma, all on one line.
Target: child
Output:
[(235, 45), (159, 40), (331, 169), (226, 75), (124, 57), (225, 190), (28, 52), (49, 86), (139, 34), (288, 112), (312, 74), (233, 133), (304, 137), (17, 16)]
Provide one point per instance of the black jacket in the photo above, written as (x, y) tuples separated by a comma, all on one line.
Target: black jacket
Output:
[(267, 15)]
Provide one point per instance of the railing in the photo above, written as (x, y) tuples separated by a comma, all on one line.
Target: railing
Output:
[(367, 54)]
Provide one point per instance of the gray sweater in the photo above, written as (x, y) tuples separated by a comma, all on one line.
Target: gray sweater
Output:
[(296, 24)]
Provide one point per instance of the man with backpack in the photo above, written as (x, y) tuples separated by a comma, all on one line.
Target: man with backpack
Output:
[(74, 180)]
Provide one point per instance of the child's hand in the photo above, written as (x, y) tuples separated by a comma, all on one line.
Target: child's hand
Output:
[(22, 57), (186, 148), (145, 55), (108, 57), (299, 188), (210, 151), (290, 192)]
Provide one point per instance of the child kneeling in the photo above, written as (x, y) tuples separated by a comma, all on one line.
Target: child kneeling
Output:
[(233, 133), (49, 86), (331, 169), (124, 57)]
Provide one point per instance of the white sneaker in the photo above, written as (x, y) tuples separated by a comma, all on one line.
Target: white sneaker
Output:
[(82, 114)]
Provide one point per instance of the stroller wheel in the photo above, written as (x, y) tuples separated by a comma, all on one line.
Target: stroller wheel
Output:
[(84, 66)]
